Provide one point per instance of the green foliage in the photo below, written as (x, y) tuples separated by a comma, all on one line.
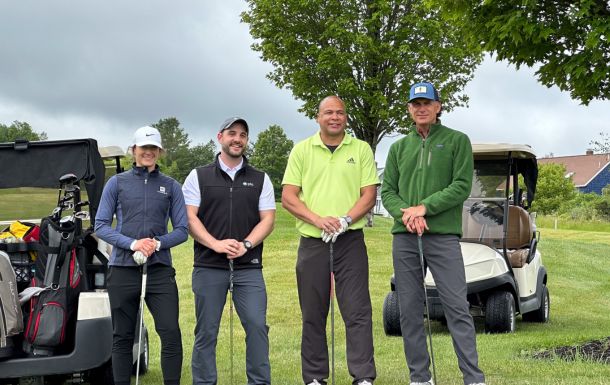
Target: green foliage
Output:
[(179, 158), (175, 140), (553, 188), (19, 130), (271, 152), (367, 52), (583, 207), (568, 40)]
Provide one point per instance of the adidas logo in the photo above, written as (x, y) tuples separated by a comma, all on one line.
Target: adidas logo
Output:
[(351, 161)]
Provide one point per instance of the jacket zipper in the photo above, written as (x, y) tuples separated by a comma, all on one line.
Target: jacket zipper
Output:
[(145, 197), (422, 171)]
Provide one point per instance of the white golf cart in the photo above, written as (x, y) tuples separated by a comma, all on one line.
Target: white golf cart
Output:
[(86, 357), (504, 270)]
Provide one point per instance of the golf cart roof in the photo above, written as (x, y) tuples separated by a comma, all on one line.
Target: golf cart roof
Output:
[(502, 150), (42, 163), (109, 152)]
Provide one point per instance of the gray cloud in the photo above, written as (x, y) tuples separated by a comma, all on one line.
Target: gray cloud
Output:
[(103, 68)]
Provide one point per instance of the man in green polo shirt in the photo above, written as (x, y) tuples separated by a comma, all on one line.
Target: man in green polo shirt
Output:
[(329, 185)]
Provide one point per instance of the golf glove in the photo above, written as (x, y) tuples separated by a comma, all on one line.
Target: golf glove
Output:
[(139, 257), (332, 237)]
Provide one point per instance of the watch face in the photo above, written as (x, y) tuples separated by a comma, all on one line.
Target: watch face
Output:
[(248, 244)]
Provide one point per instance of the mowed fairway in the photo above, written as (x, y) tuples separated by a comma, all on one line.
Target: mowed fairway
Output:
[(579, 269), (578, 264)]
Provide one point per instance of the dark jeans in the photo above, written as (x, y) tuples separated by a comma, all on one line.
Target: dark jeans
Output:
[(352, 289), (124, 287)]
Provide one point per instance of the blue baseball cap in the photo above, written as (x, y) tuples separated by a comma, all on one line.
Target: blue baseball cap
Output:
[(423, 90)]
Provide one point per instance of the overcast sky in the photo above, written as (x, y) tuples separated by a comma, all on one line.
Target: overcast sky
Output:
[(102, 69)]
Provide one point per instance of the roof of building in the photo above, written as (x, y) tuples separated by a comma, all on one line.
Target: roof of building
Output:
[(582, 168)]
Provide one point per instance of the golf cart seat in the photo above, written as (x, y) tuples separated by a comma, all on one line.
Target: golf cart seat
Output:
[(519, 236)]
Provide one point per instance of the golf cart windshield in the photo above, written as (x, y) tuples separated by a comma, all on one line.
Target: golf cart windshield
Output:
[(483, 221), (483, 212)]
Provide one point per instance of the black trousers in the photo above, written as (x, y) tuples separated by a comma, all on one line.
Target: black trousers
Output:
[(124, 287), (351, 273)]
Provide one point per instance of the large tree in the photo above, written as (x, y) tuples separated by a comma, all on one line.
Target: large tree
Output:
[(569, 41), (553, 188), (271, 152), (368, 52), (19, 130), (175, 140)]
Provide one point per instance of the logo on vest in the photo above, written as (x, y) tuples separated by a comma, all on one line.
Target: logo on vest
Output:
[(248, 184), (351, 161), (255, 260), (162, 190)]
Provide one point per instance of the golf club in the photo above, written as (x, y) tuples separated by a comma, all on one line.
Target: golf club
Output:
[(332, 316), (141, 326), (231, 315), (423, 271)]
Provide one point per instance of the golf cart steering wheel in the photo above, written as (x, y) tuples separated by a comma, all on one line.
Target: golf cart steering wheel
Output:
[(486, 212)]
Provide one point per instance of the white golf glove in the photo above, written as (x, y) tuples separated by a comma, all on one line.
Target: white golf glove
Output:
[(332, 237), (139, 257)]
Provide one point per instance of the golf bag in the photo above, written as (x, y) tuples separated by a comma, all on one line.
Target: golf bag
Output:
[(11, 319), (58, 277)]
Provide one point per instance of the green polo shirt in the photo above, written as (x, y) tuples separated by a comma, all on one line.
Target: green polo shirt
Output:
[(330, 182)]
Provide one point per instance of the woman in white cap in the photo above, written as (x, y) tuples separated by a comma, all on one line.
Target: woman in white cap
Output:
[(143, 200)]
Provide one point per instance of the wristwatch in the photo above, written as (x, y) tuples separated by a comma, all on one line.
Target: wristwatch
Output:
[(247, 244), (348, 219)]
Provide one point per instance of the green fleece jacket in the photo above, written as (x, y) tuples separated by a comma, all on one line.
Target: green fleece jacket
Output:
[(436, 172)]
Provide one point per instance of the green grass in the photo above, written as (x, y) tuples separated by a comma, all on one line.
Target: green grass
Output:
[(26, 203), (550, 222), (578, 264)]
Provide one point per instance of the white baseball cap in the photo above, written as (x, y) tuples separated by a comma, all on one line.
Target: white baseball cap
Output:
[(147, 136)]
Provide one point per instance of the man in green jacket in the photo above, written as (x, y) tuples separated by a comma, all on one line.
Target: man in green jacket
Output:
[(427, 178)]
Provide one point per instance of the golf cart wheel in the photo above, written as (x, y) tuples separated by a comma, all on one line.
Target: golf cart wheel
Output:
[(500, 313), (542, 313), (144, 355), (391, 315)]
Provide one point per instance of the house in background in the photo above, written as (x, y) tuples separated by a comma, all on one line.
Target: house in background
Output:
[(589, 172), (379, 209)]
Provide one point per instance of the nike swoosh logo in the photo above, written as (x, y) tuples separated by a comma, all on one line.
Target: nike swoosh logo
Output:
[(150, 134)]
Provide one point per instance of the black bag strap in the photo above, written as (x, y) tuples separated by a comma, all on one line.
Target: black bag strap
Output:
[(64, 249)]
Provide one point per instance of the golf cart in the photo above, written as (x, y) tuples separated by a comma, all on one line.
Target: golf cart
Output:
[(504, 270), (84, 355)]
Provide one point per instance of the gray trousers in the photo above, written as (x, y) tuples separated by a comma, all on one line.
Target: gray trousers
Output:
[(443, 256), (351, 271), (210, 287)]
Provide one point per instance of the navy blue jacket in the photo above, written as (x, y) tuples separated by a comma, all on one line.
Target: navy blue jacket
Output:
[(143, 203)]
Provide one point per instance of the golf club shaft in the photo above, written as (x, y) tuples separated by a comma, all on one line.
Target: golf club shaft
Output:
[(423, 270), (141, 326), (231, 315), (332, 316)]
